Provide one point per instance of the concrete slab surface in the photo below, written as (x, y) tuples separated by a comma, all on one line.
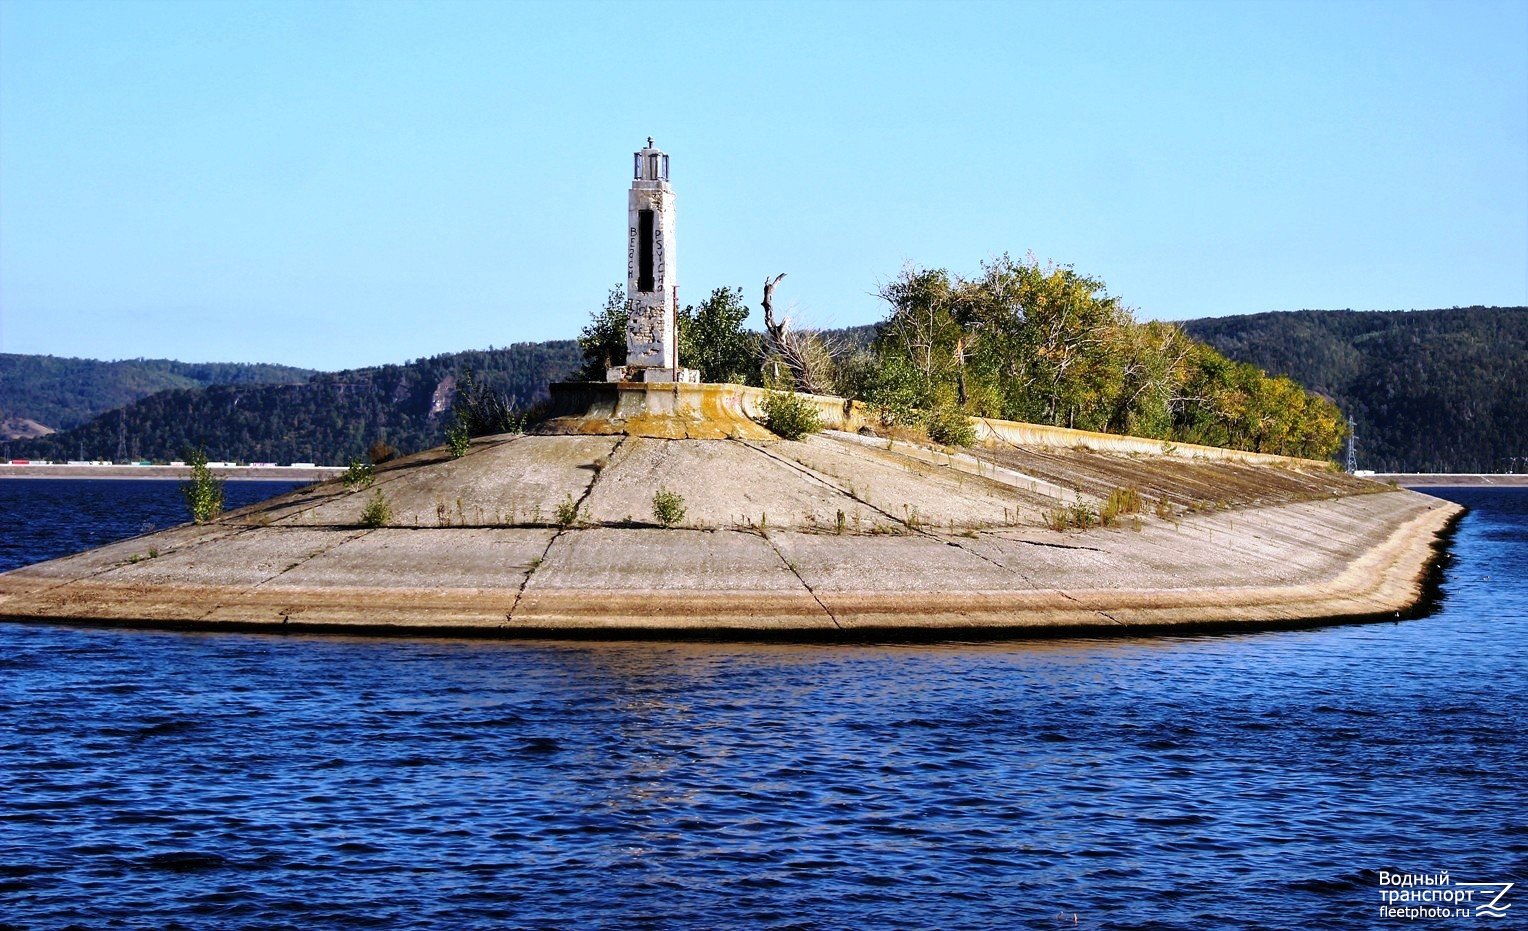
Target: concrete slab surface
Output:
[(928, 542)]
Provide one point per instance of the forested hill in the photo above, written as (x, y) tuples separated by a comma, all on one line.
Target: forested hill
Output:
[(1429, 390), (329, 418), (1438, 390), (63, 393)]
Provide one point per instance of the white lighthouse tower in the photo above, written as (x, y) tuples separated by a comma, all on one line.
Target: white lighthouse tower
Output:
[(652, 280)]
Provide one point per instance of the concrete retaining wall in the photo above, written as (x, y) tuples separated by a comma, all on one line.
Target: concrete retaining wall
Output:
[(621, 402)]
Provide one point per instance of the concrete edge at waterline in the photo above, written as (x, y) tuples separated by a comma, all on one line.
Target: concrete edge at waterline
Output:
[(1429, 598)]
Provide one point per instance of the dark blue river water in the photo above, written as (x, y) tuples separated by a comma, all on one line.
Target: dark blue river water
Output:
[(234, 781)]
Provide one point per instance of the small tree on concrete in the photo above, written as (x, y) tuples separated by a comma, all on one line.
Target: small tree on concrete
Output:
[(359, 475), (377, 511), (604, 339), (458, 439), (713, 340), (203, 491)]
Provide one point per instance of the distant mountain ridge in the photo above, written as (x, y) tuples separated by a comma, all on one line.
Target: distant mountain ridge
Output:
[(1428, 390), (328, 418), (61, 393), (1435, 390)]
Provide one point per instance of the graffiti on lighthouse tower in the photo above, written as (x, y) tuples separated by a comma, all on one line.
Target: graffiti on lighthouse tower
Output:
[(652, 280)]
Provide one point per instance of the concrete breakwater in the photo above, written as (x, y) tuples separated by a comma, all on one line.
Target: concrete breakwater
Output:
[(705, 411), (838, 535)]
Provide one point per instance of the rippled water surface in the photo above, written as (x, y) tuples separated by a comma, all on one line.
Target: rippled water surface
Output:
[(45, 518), (160, 780)]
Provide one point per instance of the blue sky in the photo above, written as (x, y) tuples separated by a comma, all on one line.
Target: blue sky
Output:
[(336, 184)]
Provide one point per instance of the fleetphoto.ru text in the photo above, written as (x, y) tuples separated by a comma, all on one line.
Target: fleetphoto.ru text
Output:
[(1427, 895)]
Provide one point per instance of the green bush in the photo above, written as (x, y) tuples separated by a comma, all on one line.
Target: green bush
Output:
[(567, 512), (203, 491), (603, 341), (949, 426), (359, 475), (377, 511), (668, 507), (1084, 515), (1080, 514), (894, 390), (1121, 501), (458, 439), (790, 416), (713, 340)]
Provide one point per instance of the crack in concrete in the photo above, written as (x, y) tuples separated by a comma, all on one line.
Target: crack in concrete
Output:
[(237, 531), (804, 584), (188, 547), (284, 612), (609, 462), (817, 477), (331, 497), (810, 473), (314, 555), (1054, 546), (1028, 581), (1001, 565), (509, 618), (918, 530)]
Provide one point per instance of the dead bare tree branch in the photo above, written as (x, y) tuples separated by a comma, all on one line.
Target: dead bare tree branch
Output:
[(775, 331), (802, 352)]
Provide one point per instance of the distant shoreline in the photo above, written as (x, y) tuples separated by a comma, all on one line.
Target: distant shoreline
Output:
[(172, 473), (1450, 479)]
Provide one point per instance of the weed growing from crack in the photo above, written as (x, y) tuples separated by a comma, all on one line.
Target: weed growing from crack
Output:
[(567, 512), (377, 511), (1120, 501), (668, 507)]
